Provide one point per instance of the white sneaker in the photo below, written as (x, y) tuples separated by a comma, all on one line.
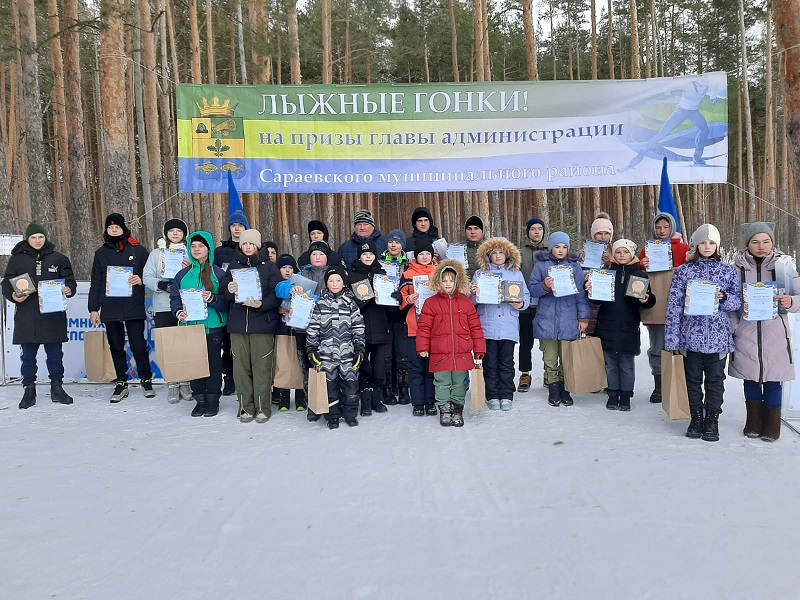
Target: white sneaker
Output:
[(493, 404), (245, 417), (261, 418), (505, 404)]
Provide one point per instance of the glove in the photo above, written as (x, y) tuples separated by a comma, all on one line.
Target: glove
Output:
[(165, 286), (358, 360), (233, 287), (314, 359), (397, 296), (252, 303)]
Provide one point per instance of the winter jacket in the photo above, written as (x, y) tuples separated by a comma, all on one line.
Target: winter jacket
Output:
[(375, 320), (707, 334), (473, 260), (402, 262), (407, 288), (284, 289), (31, 326), (501, 321), (763, 348), (128, 253), (349, 250), (335, 334), (449, 327), (432, 234), (529, 251), (225, 253), (557, 318), (618, 321), (152, 277), (244, 319)]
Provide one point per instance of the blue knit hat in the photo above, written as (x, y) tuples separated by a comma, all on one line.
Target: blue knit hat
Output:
[(558, 237), (238, 216), (395, 235), (287, 260)]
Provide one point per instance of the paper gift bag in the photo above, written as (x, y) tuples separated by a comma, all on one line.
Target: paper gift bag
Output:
[(97, 354), (584, 365), (181, 352), (477, 388), (317, 392), (674, 397), (288, 374)]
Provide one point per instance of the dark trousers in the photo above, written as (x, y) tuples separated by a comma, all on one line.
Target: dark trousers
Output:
[(769, 392), (115, 331), (525, 342), (55, 362), (393, 359), (227, 358), (499, 370), (699, 366), (420, 378), (373, 369), (342, 398), (165, 319), (213, 383)]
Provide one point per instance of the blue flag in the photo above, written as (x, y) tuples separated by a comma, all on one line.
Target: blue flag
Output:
[(666, 202), (234, 202)]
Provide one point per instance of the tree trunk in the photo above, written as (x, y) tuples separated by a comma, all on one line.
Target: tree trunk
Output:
[(142, 136), (194, 27), (769, 134), (60, 169), (454, 38), (240, 37), (751, 181), (610, 45), (294, 43), (212, 60)]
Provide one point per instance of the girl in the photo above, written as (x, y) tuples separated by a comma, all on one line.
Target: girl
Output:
[(450, 338), (204, 274), (763, 356), (280, 396), (618, 326), (396, 390), (500, 322), (705, 341), (557, 318)]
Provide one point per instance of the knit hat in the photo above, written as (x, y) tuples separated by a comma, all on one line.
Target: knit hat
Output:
[(364, 216), (395, 235), (335, 270), (474, 221), (251, 236), (558, 237), (705, 232), (33, 229), (752, 229), (367, 247), (287, 260), (115, 219), (602, 223), (423, 244), (419, 213), (319, 246), (196, 237), (238, 216), (627, 244), (176, 224), (532, 222), (315, 225)]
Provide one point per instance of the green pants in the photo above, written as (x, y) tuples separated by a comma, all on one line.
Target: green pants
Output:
[(253, 368), (450, 386), (553, 365)]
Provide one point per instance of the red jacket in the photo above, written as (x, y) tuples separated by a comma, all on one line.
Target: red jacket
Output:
[(450, 330)]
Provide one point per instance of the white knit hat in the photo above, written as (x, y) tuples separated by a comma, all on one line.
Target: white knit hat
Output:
[(627, 244), (706, 232)]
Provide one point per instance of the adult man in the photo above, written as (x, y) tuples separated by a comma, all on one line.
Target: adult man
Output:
[(422, 228), (533, 243), (364, 230), (473, 231)]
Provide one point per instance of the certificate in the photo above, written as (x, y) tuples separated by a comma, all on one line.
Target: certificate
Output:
[(701, 298), (309, 285), (392, 269), (424, 291), (659, 255), (593, 255), (490, 289), (603, 283), (363, 290), (51, 296), (384, 286), (637, 287), (513, 291), (563, 280), (172, 262), (194, 305), (249, 284), (459, 253), (117, 285), (300, 309), (440, 247), (760, 302), (785, 273)]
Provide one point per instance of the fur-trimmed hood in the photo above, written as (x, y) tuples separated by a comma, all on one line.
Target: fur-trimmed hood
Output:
[(513, 255), (462, 283)]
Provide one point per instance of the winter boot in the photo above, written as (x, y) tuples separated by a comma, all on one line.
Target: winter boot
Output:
[(755, 413), (695, 430), (147, 386), (524, 383), (312, 416), (366, 402), (28, 397), (711, 426), (430, 410), (200, 409), (771, 430), (174, 393), (613, 400), (377, 397), (625, 401), (228, 387), (553, 394), (57, 393), (300, 401), (458, 414), (389, 395), (120, 392), (333, 423), (655, 397), (186, 391), (282, 397), (566, 399), (212, 405), (446, 414), (351, 421), (419, 410), (404, 396)]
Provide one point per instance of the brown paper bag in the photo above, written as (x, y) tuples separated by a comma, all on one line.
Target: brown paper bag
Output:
[(97, 354), (477, 388), (317, 392), (584, 365), (674, 397), (288, 375), (181, 352)]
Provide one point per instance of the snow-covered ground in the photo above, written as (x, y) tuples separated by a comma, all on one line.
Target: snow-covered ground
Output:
[(141, 501)]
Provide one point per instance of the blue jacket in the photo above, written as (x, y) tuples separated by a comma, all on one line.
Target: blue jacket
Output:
[(349, 250), (557, 318)]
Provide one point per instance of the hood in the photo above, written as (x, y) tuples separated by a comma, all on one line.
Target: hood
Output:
[(24, 248), (209, 239), (421, 211), (315, 225), (744, 259), (668, 217), (514, 256), (360, 267), (462, 283)]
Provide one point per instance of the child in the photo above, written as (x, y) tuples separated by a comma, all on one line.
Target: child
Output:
[(618, 326), (423, 397), (280, 396), (450, 338), (557, 318), (335, 342), (535, 230), (500, 322), (763, 356), (704, 340), (396, 390)]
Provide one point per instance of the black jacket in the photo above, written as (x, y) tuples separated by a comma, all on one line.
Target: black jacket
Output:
[(375, 319), (117, 309), (31, 326), (411, 243), (243, 319), (618, 321)]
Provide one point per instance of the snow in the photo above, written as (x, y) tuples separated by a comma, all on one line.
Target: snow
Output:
[(141, 501)]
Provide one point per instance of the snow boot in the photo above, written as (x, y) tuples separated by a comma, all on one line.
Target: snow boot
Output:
[(553, 394), (566, 399), (333, 423), (404, 389), (212, 405), (711, 426), (173, 393), (695, 430), (524, 383), (300, 401), (312, 416), (625, 401), (28, 396), (228, 387), (755, 413), (458, 414), (430, 410), (200, 409), (419, 410), (613, 400), (655, 396), (389, 395), (771, 430), (377, 397), (120, 392), (57, 393), (186, 391), (366, 402), (446, 414), (351, 421)]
